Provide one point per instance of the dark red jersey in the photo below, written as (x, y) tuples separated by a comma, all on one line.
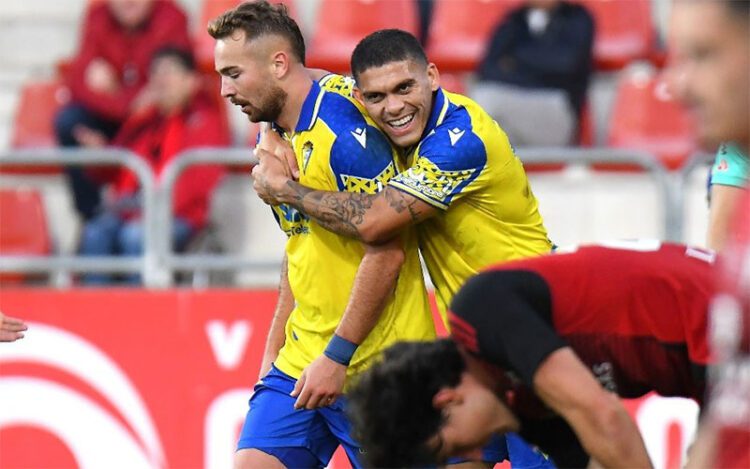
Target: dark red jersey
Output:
[(635, 313)]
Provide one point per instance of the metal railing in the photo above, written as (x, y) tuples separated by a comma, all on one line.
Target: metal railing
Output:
[(592, 156), (172, 261), (159, 261), (147, 264)]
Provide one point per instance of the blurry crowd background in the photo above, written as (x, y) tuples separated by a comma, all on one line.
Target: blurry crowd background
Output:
[(580, 73)]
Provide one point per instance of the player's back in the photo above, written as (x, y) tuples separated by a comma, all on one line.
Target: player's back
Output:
[(466, 168), (634, 312), (337, 149)]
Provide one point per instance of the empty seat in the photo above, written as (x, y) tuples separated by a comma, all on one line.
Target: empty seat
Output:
[(624, 31), (461, 30), (646, 117), (23, 227), (342, 24), (33, 123)]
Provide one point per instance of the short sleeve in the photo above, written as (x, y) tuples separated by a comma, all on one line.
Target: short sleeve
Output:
[(362, 159), (446, 165), (731, 167)]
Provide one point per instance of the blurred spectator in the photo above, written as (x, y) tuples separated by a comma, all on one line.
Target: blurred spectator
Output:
[(424, 8), (534, 77), (184, 115), (729, 177), (107, 76)]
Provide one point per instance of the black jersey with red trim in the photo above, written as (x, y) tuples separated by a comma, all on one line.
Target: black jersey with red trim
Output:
[(634, 312)]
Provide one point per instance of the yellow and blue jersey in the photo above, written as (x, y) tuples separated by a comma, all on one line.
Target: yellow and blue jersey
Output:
[(339, 149), (465, 166)]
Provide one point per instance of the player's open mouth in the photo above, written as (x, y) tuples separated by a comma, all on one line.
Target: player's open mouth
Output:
[(399, 124)]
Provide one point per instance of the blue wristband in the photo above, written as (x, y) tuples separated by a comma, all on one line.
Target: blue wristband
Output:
[(340, 350)]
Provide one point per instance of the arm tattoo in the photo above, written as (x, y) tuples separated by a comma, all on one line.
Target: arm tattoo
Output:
[(399, 202), (340, 212)]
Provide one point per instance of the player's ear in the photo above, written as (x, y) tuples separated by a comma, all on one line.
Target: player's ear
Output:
[(444, 397), (433, 75), (280, 63), (358, 95)]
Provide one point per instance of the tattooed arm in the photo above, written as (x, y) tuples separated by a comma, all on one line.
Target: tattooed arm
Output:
[(371, 218)]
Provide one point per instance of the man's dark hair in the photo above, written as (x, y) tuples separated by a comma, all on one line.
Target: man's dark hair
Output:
[(390, 405), (257, 19), (383, 47), (741, 8), (183, 56)]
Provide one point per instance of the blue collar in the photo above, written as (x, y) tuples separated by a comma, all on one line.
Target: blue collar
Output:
[(437, 115), (309, 112)]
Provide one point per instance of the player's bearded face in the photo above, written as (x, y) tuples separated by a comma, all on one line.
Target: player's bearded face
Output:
[(398, 97), (710, 69), (267, 104)]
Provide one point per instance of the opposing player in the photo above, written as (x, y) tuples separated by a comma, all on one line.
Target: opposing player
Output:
[(544, 346), (340, 301), (710, 44)]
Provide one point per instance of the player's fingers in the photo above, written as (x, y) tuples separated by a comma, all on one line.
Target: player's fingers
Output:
[(14, 326), (303, 399), (298, 385)]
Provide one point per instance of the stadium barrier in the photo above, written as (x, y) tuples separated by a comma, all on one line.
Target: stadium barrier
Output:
[(159, 262), (147, 265)]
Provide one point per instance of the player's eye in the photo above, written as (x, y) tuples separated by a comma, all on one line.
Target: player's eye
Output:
[(405, 88), (373, 98)]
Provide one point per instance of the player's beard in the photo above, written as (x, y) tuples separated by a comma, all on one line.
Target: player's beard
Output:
[(270, 106)]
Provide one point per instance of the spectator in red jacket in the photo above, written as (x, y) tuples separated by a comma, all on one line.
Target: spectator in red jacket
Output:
[(108, 74), (183, 116)]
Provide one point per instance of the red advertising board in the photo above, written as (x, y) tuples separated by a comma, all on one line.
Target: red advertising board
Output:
[(135, 378)]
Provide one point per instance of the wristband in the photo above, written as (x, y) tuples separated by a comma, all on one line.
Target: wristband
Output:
[(340, 350)]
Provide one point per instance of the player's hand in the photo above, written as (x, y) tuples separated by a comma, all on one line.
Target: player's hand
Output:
[(320, 385), (270, 177), (11, 329), (272, 142)]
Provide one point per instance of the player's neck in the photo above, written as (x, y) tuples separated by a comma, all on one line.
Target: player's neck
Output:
[(297, 88)]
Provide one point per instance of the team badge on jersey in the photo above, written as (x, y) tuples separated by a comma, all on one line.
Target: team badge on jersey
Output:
[(307, 150)]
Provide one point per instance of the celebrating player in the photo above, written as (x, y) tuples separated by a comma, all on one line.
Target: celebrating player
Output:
[(341, 301)]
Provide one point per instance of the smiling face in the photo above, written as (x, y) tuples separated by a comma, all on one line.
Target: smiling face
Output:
[(398, 97), (710, 70), (246, 75)]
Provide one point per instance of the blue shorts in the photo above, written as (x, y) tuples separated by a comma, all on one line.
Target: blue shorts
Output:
[(298, 438), (513, 448)]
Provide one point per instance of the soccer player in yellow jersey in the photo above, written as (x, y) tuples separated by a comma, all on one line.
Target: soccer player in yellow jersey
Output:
[(341, 301), (464, 189)]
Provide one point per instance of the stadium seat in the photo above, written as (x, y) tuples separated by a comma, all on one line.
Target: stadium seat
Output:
[(210, 9), (646, 117), (453, 82), (23, 227), (624, 31), (342, 24), (461, 30), (33, 123)]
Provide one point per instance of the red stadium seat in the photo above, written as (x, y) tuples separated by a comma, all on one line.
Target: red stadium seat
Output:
[(342, 24), (453, 82), (646, 117), (23, 227), (33, 122), (210, 9), (461, 30), (624, 31)]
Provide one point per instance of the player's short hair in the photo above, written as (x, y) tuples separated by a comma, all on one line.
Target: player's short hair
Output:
[(256, 19), (181, 55), (391, 408), (383, 47), (741, 8)]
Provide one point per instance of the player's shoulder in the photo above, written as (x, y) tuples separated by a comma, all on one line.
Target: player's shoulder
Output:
[(454, 140)]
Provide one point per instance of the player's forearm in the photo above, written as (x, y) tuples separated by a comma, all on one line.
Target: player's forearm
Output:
[(612, 438), (284, 306), (371, 218), (373, 285)]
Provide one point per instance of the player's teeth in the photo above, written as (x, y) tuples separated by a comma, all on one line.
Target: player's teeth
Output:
[(401, 121)]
